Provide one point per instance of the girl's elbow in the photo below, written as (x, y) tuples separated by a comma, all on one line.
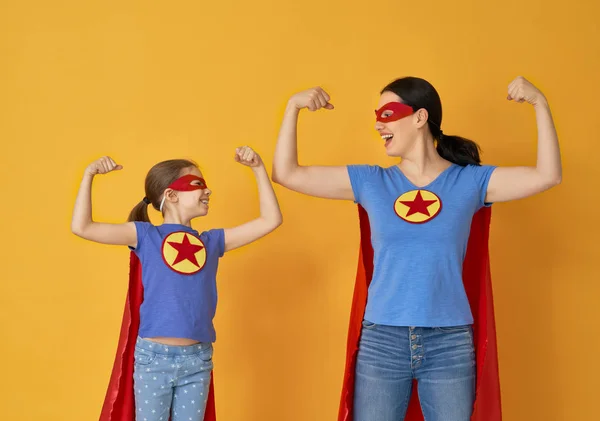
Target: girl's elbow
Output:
[(275, 222)]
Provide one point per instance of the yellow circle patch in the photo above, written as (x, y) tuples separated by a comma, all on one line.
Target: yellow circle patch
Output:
[(184, 252), (418, 206)]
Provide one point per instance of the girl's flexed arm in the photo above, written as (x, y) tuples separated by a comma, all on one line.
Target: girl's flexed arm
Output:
[(82, 223), (270, 214)]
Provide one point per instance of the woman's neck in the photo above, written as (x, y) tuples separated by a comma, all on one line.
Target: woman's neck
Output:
[(423, 160)]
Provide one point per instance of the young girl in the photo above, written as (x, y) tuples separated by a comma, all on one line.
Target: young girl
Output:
[(173, 352)]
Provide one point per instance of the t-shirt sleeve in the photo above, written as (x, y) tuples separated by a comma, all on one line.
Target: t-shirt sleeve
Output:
[(360, 175), (216, 239), (141, 229), (481, 175)]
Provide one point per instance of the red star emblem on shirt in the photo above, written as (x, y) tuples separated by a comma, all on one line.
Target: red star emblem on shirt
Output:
[(186, 251), (418, 206)]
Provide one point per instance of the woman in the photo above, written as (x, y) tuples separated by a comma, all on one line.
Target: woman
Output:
[(417, 323)]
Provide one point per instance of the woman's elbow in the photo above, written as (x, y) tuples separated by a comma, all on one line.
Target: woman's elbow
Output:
[(282, 175), (79, 230), (76, 229), (554, 181), (79, 233), (276, 176), (558, 180)]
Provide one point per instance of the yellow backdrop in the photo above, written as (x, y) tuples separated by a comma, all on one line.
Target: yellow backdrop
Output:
[(147, 81)]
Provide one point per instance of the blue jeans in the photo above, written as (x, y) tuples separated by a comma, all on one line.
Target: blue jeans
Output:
[(442, 360), (171, 381)]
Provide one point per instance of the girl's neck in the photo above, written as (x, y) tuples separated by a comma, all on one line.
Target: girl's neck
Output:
[(176, 219)]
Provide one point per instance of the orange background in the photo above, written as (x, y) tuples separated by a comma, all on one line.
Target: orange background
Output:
[(147, 81)]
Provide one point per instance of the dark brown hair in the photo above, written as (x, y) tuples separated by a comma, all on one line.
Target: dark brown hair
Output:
[(158, 179), (418, 93)]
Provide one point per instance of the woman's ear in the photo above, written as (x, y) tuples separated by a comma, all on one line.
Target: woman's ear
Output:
[(420, 117)]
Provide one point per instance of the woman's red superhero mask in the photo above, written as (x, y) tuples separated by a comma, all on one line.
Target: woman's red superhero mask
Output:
[(393, 111)]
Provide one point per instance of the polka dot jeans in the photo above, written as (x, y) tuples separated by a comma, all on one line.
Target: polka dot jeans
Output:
[(171, 381)]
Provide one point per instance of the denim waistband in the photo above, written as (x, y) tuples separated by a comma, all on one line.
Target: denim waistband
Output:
[(171, 349)]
